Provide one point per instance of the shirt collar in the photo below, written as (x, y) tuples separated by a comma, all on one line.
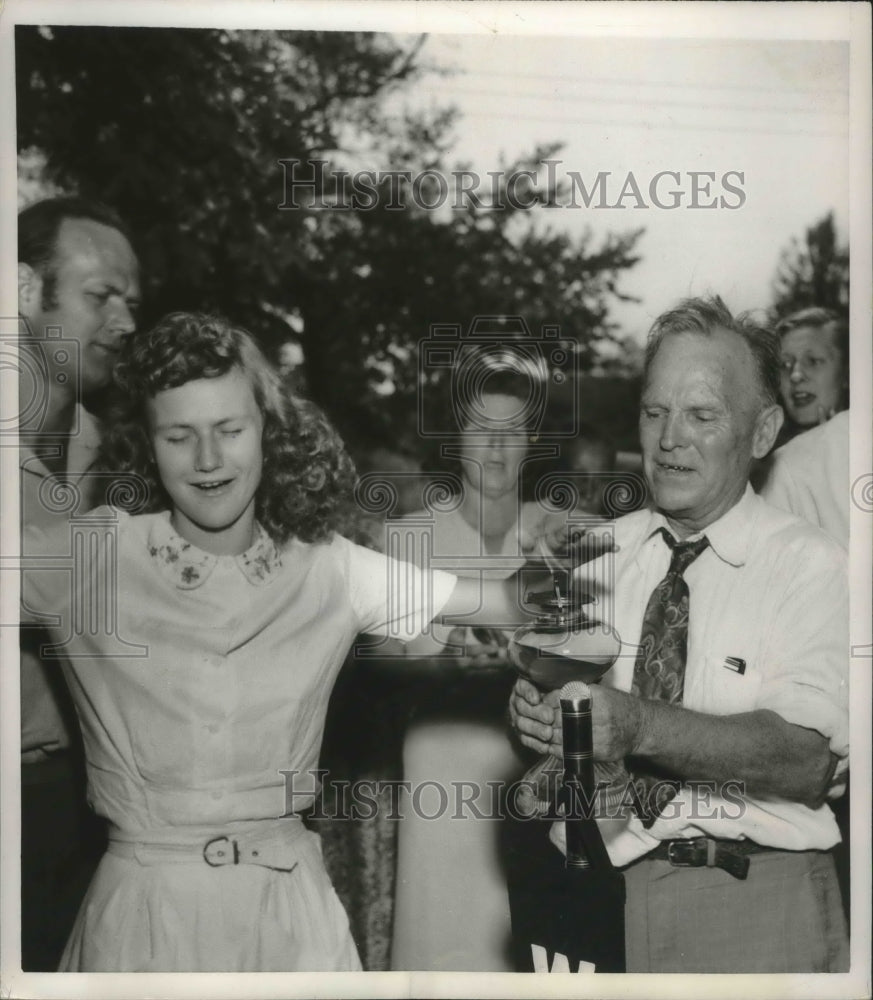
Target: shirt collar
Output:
[(188, 567), (729, 536)]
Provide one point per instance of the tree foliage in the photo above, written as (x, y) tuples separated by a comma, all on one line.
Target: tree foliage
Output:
[(183, 131), (813, 273)]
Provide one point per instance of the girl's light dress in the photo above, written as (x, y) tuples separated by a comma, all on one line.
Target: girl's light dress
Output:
[(201, 683)]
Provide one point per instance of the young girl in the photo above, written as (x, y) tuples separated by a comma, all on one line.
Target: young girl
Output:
[(201, 675)]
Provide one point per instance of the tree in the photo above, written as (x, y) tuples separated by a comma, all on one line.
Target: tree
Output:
[(403, 273), (183, 132), (815, 273)]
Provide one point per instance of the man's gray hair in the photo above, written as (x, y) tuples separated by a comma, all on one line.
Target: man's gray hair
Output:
[(705, 316)]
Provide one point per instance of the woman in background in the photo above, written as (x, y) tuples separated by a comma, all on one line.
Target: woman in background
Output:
[(814, 389), (815, 369), (452, 907)]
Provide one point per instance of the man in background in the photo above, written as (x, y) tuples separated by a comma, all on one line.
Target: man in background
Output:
[(78, 291)]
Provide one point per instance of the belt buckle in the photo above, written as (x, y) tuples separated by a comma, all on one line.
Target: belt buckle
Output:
[(687, 853), (227, 856)]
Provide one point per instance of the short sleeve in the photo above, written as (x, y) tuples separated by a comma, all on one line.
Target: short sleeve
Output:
[(60, 563), (46, 573), (392, 598)]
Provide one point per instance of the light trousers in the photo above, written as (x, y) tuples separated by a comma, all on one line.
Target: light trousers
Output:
[(786, 916)]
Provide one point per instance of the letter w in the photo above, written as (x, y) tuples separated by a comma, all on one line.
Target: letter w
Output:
[(560, 963)]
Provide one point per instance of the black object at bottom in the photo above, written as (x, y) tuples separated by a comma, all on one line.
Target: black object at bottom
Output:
[(62, 842), (578, 913)]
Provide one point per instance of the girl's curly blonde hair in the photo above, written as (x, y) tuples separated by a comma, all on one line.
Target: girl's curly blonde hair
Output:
[(306, 484)]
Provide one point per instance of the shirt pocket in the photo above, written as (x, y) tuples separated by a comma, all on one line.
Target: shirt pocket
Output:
[(730, 684)]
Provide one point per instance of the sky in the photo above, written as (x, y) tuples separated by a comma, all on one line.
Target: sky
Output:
[(774, 111)]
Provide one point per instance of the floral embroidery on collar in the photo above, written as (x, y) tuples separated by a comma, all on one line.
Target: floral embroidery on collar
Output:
[(262, 560), (189, 567), (183, 564)]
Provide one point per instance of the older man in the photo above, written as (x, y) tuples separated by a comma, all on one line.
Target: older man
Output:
[(78, 290), (729, 701)]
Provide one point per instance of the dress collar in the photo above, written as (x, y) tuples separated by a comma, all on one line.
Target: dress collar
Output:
[(729, 536), (188, 567)]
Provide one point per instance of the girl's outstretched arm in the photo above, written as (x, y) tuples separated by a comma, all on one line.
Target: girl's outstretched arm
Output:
[(504, 603)]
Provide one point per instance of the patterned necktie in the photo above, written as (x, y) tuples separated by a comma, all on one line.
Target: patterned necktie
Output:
[(659, 670)]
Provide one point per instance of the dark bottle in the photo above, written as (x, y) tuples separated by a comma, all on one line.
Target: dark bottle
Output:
[(567, 912)]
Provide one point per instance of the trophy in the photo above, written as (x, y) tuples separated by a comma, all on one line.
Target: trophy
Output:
[(570, 912), (565, 649)]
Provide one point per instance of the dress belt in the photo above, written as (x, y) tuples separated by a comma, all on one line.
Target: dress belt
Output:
[(274, 844)]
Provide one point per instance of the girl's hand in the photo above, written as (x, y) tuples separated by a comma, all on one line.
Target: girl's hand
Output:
[(482, 647), (541, 530)]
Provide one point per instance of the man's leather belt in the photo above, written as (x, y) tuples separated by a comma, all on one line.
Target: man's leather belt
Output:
[(731, 856)]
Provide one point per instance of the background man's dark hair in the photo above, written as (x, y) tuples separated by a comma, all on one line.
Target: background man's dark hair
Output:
[(38, 228)]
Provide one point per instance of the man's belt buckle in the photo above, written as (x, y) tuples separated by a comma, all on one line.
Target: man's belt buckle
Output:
[(221, 851), (689, 853), (700, 852)]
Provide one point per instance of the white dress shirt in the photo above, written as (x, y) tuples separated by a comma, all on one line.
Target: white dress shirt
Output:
[(768, 629)]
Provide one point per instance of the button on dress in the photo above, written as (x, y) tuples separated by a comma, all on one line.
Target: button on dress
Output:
[(201, 683)]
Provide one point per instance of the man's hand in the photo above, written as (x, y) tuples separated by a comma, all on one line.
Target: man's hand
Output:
[(535, 718), (616, 718)]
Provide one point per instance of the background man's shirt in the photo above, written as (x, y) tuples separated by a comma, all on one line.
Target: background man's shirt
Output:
[(45, 725), (809, 476)]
